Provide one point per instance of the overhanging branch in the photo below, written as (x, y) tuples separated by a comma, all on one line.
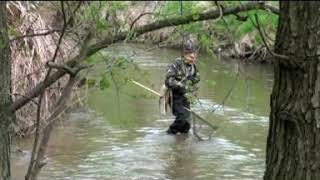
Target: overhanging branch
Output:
[(175, 21)]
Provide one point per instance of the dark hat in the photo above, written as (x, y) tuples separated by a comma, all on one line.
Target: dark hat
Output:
[(190, 46)]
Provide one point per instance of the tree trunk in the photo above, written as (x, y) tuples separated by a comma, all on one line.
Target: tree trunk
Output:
[(293, 145), (6, 115)]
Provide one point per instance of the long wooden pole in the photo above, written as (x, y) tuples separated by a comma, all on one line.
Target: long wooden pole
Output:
[(145, 87)]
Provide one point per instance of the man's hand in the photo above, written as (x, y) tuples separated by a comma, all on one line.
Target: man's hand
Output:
[(190, 78), (193, 79), (180, 84)]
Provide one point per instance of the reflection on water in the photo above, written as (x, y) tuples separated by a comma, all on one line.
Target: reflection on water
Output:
[(128, 141)]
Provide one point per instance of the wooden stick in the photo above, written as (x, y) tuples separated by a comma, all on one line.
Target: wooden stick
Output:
[(145, 87)]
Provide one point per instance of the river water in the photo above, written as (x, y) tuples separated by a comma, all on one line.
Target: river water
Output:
[(121, 135)]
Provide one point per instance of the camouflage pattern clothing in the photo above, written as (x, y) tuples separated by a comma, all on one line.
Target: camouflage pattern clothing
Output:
[(182, 78)]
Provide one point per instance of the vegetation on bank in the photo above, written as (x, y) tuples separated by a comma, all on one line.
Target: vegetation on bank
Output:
[(221, 33)]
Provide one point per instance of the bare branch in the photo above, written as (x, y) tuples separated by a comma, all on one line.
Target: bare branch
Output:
[(66, 68), (141, 15), (220, 9), (272, 9), (63, 13), (34, 35), (61, 67), (175, 21), (31, 99), (265, 43)]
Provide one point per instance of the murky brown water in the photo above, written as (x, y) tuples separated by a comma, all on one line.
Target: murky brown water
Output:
[(124, 138)]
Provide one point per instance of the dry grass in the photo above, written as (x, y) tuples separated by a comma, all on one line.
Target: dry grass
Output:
[(29, 56)]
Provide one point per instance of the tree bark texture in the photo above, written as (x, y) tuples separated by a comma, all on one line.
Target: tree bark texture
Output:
[(6, 115), (293, 145)]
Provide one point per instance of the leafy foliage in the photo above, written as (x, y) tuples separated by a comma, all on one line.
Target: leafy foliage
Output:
[(204, 30), (104, 83)]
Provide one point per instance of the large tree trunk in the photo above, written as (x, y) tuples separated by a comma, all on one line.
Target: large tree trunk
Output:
[(6, 115), (293, 146)]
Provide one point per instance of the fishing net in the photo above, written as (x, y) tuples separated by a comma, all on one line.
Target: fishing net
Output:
[(201, 128)]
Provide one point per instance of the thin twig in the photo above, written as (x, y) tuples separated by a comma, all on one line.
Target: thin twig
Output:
[(231, 39), (220, 9), (265, 43), (34, 35), (68, 69), (63, 13), (16, 94), (141, 15)]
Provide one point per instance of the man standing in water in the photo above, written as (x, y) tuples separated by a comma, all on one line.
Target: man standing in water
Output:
[(182, 77)]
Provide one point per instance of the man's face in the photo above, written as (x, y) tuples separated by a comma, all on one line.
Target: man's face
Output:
[(191, 58)]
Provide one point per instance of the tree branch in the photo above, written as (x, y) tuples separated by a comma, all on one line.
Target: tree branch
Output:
[(34, 35), (175, 21), (272, 9), (61, 67), (143, 14), (16, 94), (265, 43), (66, 68)]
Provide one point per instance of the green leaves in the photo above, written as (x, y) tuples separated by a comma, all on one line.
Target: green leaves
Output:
[(91, 82), (102, 25), (195, 16), (173, 8), (122, 63), (92, 60), (104, 83)]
